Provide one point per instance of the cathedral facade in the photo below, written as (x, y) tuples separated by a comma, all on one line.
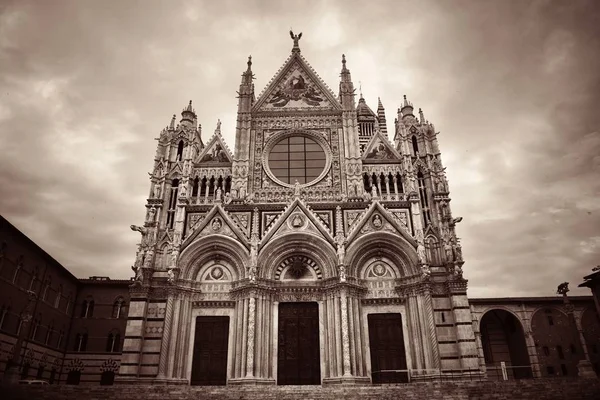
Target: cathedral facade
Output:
[(320, 250)]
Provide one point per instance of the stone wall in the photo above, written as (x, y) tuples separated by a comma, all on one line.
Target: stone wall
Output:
[(541, 389)]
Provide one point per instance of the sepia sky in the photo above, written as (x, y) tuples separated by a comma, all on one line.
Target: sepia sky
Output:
[(513, 87)]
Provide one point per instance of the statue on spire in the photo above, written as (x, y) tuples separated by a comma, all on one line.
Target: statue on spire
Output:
[(295, 38)]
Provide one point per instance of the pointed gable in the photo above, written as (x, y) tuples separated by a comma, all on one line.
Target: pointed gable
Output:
[(297, 217), (296, 86), (377, 218), (216, 151), (380, 150), (216, 222)]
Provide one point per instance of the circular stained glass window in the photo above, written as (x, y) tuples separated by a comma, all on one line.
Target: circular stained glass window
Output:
[(297, 158)]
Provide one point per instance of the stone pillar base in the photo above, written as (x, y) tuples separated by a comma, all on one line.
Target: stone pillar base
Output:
[(585, 370), (347, 380), (251, 381)]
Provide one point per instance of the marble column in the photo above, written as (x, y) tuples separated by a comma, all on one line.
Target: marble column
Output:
[(173, 339), (250, 338), (345, 334), (164, 348)]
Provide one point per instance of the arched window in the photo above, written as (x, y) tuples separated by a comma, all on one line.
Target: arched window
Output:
[(203, 187), (227, 185), (424, 199), (18, 269), (81, 342), (87, 308), (399, 180), (180, 150), (366, 183), (118, 307), (172, 203), (415, 145), (58, 296), (113, 342), (46, 288), (195, 187)]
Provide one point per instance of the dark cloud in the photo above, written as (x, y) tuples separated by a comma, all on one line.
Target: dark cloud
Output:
[(86, 86)]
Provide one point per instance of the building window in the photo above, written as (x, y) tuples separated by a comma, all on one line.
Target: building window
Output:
[(34, 329), (415, 145), (559, 350), (61, 335), (52, 376), (172, 203), (73, 377), (19, 325), (45, 292), (118, 307), (58, 296), (297, 158), (40, 372), (546, 350), (563, 369), (3, 316), (49, 335), (424, 199), (25, 371), (573, 349), (87, 309), (33, 280), (107, 378), (443, 317), (81, 342), (180, 150), (112, 342), (550, 370)]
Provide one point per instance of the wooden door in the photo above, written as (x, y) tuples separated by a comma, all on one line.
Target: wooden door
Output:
[(209, 365), (387, 348), (298, 354)]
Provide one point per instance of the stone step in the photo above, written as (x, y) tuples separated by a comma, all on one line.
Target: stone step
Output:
[(541, 389)]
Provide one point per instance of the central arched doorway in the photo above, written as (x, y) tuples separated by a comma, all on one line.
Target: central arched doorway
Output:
[(298, 359), (503, 340)]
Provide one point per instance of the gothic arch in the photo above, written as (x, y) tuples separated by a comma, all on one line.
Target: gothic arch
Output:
[(275, 252), (382, 244), (199, 252)]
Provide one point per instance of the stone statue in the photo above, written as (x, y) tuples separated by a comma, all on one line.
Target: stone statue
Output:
[(426, 272), (252, 274), (296, 188), (148, 259), (295, 38), (228, 198), (253, 254), (170, 275), (139, 258), (183, 190), (138, 274), (216, 224), (457, 252), (458, 270), (157, 191), (448, 251), (341, 253), (174, 255), (563, 288), (374, 191), (421, 253), (218, 194), (412, 187), (151, 214), (342, 273), (377, 222)]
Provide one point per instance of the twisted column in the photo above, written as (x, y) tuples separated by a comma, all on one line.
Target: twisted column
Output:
[(435, 352), (345, 333), (164, 349), (250, 345)]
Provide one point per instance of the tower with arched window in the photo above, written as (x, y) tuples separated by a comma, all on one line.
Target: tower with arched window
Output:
[(317, 251)]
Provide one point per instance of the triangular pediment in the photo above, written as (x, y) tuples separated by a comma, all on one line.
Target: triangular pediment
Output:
[(378, 219), (296, 86), (380, 150), (217, 222), (297, 218), (216, 152)]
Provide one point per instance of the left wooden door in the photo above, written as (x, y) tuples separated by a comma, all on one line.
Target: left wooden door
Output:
[(209, 365)]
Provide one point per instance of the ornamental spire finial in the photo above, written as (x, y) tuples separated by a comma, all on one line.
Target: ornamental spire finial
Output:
[(295, 38)]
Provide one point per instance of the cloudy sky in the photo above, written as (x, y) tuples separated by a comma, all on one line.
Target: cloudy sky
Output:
[(513, 87)]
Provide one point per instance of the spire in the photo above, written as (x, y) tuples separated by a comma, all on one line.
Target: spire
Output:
[(346, 94), (421, 117), (172, 124), (296, 39), (381, 117), (360, 90), (248, 76), (188, 116), (218, 128), (407, 108)]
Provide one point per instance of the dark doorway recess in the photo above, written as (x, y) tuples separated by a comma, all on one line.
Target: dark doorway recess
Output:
[(503, 339), (298, 359), (209, 366), (388, 357)]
